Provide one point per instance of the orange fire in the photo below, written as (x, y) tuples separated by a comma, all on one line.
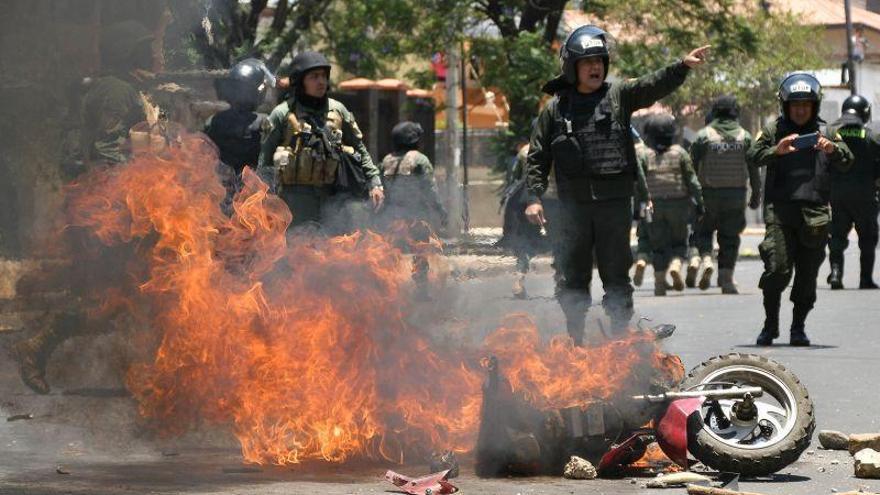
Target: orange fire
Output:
[(301, 345)]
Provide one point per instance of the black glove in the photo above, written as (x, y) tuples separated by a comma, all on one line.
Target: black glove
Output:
[(754, 201)]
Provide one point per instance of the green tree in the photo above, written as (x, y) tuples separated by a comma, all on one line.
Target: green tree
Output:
[(752, 49)]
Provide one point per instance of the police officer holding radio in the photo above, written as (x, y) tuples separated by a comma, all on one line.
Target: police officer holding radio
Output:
[(583, 134), (799, 159)]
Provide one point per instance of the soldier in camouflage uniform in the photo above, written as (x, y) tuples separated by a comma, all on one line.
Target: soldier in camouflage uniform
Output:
[(854, 193), (796, 209), (583, 133), (719, 157), (111, 106), (411, 195), (303, 143), (673, 190)]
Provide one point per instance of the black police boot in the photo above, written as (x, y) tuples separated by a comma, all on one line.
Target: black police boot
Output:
[(798, 322), (835, 278), (771, 321), (866, 279)]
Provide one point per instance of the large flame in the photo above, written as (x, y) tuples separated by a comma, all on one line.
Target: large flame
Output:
[(302, 344)]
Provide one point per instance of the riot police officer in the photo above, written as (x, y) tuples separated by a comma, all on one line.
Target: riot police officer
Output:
[(796, 196), (236, 131), (719, 157), (673, 191), (305, 141), (583, 134), (854, 193)]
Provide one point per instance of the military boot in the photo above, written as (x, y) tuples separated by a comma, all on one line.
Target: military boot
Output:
[(835, 278), (519, 286), (659, 283), (708, 270), (675, 274), (32, 355), (639, 275), (798, 324), (866, 278), (771, 321), (725, 280), (690, 279)]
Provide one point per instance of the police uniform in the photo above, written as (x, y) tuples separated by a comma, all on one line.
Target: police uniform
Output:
[(674, 191), (796, 210), (854, 193), (719, 158), (585, 139)]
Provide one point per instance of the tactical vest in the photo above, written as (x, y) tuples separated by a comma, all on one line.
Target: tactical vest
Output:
[(403, 179), (596, 150), (308, 156), (725, 162), (799, 176), (663, 175)]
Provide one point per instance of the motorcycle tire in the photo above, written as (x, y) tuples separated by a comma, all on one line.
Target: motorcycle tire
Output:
[(722, 456)]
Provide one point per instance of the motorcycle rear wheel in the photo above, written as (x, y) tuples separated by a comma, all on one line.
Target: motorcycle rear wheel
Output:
[(785, 411)]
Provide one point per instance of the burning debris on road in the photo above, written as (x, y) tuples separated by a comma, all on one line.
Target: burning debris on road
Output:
[(300, 344)]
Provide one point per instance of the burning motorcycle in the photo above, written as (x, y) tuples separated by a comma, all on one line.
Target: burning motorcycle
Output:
[(739, 413)]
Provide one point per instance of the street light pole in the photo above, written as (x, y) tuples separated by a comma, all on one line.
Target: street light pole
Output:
[(850, 63)]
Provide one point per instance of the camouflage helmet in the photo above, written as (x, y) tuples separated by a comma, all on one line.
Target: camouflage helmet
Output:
[(585, 41), (125, 44)]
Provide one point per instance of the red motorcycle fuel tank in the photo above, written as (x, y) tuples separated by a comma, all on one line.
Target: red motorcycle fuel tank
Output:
[(672, 429)]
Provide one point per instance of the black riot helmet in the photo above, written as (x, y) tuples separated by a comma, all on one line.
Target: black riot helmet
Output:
[(725, 107), (246, 84), (304, 62), (800, 86), (660, 130), (858, 106), (406, 135), (126, 45), (585, 41)]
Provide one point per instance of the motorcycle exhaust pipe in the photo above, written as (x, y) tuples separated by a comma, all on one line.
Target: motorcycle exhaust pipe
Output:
[(724, 393)]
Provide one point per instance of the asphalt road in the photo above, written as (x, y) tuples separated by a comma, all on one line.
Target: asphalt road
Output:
[(90, 434)]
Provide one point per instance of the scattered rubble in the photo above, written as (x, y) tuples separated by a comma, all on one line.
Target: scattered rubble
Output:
[(833, 440), (867, 464), (706, 490), (579, 469), (677, 479), (861, 441)]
